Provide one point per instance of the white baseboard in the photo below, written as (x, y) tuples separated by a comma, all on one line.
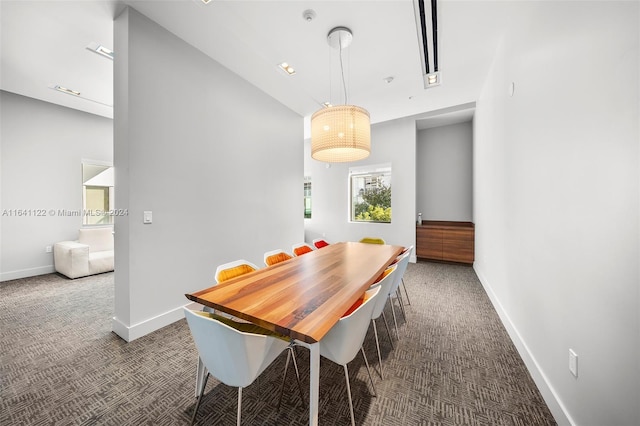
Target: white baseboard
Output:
[(26, 273), (130, 333), (554, 403), (120, 329)]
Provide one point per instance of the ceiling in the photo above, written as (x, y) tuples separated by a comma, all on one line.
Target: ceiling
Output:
[(44, 44)]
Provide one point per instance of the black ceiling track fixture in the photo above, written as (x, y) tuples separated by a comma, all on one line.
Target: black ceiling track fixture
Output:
[(424, 7), (423, 30), (434, 31)]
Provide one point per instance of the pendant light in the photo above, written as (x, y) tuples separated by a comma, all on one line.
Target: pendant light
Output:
[(340, 133)]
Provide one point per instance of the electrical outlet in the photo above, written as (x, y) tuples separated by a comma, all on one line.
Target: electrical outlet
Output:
[(573, 362), (48, 249)]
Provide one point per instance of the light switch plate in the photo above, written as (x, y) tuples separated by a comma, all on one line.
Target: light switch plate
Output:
[(147, 217)]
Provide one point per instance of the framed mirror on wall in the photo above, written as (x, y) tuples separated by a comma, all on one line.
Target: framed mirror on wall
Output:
[(97, 193)]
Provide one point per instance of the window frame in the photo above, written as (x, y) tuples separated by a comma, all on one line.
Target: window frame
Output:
[(384, 169)]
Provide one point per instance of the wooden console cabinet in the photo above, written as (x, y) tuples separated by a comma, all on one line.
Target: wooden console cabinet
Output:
[(445, 241)]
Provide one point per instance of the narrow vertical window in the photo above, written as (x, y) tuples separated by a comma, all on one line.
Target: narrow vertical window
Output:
[(307, 197)]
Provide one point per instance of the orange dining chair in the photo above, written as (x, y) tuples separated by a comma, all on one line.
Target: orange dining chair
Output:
[(320, 242), (372, 240), (301, 248), (229, 270), (276, 256)]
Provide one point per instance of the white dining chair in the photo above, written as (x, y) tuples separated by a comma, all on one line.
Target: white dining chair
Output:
[(343, 341), (385, 282), (393, 291), (234, 353), (407, 250), (224, 272)]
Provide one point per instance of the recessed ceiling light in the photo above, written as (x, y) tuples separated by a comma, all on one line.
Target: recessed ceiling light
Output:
[(287, 68), (101, 50), (76, 94), (206, 1), (388, 79), (65, 90), (433, 79)]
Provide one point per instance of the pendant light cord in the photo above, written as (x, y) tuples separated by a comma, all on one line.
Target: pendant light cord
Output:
[(344, 85)]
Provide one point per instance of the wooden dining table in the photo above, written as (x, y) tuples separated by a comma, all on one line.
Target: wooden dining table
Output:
[(303, 297)]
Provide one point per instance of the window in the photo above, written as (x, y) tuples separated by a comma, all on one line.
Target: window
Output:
[(370, 193), (307, 197), (97, 194)]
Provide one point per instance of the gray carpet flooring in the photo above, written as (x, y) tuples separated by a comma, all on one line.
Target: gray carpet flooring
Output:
[(453, 364)]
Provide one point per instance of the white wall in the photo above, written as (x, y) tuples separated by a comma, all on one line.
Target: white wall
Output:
[(217, 161), (556, 176), (42, 146), (444, 178), (391, 142)]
